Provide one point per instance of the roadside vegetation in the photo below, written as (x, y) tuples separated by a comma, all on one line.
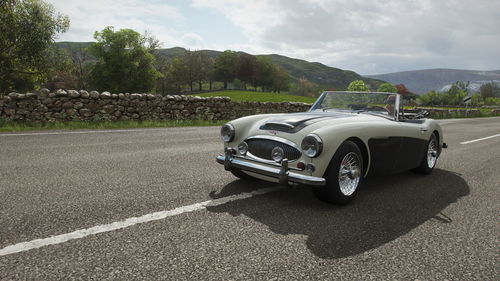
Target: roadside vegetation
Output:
[(8, 126)]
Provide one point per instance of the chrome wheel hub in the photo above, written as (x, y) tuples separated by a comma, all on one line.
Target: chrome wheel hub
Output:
[(432, 153), (349, 173)]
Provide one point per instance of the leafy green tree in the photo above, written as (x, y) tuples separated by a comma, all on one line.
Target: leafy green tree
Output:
[(125, 62), (179, 73), (455, 94), (266, 73), (82, 64), (163, 83), (203, 68), (225, 67), (477, 100), (430, 98), (61, 71), (358, 86), (27, 30), (281, 81), (387, 87), (191, 67)]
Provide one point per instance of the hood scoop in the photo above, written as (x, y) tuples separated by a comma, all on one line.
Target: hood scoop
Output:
[(295, 122)]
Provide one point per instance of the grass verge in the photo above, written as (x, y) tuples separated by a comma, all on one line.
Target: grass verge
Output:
[(9, 126), (258, 96)]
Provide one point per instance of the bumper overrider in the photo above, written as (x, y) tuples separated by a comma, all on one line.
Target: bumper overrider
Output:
[(280, 171)]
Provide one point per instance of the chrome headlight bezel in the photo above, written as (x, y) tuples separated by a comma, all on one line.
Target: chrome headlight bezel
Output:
[(243, 148), (312, 145), (227, 132)]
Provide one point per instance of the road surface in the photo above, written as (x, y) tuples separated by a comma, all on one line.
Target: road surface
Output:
[(152, 204)]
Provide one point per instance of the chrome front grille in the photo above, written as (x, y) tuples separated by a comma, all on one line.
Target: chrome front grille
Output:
[(262, 147)]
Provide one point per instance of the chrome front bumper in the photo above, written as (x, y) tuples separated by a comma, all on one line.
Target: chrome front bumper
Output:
[(280, 172)]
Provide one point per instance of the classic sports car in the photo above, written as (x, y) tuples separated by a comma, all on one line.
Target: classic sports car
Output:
[(344, 137)]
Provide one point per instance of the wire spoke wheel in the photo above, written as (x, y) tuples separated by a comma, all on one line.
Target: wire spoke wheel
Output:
[(432, 153), (349, 173)]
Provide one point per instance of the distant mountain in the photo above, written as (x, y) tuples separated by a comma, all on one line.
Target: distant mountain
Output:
[(325, 76), (423, 81)]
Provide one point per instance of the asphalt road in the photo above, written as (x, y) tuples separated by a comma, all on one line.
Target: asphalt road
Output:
[(404, 227)]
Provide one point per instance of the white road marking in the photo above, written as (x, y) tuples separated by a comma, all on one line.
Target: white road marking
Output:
[(81, 132), (485, 138), (81, 233)]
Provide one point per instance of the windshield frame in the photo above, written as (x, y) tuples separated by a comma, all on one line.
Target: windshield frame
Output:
[(395, 117)]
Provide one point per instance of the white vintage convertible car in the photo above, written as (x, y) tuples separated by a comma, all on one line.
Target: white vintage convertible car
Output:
[(343, 138)]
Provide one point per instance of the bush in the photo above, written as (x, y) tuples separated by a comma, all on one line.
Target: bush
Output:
[(358, 86)]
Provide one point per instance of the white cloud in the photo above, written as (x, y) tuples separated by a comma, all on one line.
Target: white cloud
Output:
[(371, 36), (368, 37), (193, 40), (141, 15)]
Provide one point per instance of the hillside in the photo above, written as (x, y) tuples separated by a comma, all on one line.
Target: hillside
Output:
[(325, 76), (328, 77), (423, 81), (321, 74)]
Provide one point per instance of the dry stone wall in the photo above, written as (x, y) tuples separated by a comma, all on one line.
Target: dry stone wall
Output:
[(68, 105)]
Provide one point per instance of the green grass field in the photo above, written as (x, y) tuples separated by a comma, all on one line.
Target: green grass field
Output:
[(258, 96), (7, 126)]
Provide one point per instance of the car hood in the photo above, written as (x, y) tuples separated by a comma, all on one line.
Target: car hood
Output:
[(293, 123)]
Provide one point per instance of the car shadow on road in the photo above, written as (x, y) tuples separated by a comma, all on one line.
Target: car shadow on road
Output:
[(385, 209)]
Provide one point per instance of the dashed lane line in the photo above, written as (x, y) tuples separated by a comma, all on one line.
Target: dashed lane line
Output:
[(81, 233), (481, 139)]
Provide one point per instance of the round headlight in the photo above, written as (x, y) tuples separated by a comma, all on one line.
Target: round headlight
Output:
[(227, 132), (312, 145), (277, 154), (243, 148)]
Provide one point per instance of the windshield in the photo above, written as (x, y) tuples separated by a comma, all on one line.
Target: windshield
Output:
[(369, 102)]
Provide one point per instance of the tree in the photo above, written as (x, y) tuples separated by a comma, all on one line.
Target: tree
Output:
[(304, 88), (358, 86), (225, 67), (455, 94), (179, 73), (203, 67), (281, 81), (402, 90), (125, 62), (27, 30), (477, 100), (163, 83), (387, 87), (61, 71), (489, 90), (191, 66), (266, 73), (82, 65), (246, 69), (431, 98)]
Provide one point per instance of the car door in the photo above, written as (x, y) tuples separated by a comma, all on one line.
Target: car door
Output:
[(413, 143)]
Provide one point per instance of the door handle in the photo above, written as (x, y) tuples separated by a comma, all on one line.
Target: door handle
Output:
[(423, 129)]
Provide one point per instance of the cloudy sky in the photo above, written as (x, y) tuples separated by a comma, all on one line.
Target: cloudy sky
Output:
[(367, 36)]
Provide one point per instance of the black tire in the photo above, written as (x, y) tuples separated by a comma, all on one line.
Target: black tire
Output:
[(332, 191), (426, 167), (239, 174)]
